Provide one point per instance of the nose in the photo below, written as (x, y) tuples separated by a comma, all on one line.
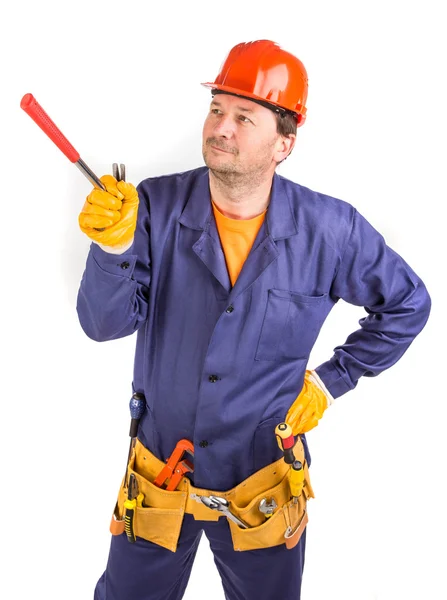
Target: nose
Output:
[(224, 126)]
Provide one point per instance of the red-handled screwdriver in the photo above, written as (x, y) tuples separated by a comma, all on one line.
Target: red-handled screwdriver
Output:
[(32, 108)]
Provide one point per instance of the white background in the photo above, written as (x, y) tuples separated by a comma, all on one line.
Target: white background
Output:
[(121, 80)]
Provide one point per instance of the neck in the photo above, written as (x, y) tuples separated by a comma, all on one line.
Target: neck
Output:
[(240, 199)]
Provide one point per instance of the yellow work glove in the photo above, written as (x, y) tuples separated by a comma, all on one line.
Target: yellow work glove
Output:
[(308, 408), (109, 217)]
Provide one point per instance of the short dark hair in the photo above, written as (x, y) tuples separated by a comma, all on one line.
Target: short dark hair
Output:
[(286, 124), (286, 120)]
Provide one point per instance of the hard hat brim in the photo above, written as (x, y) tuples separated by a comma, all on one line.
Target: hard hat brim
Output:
[(248, 95)]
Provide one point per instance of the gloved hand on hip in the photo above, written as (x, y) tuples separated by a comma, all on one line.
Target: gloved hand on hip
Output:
[(309, 406), (109, 217)]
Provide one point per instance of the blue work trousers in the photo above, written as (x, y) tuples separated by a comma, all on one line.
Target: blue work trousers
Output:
[(146, 571)]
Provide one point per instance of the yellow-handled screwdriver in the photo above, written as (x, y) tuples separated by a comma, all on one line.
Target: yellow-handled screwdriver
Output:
[(134, 499), (296, 479), (286, 442)]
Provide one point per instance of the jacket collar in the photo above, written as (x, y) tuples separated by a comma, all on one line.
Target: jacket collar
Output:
[(280, 219)]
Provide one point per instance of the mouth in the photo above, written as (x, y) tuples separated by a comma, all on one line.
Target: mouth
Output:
[(220, 150)]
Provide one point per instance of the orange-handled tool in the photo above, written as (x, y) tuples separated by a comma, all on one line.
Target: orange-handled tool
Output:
[(176, 466), (32, 108)]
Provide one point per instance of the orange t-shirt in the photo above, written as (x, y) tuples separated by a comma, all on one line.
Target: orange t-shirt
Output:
[(237, 237)]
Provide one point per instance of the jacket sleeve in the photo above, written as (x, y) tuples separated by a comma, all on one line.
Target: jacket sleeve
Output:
[(397, 303), (114, 291)]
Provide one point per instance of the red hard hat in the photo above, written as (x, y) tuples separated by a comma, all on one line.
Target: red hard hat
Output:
[(263, 71)]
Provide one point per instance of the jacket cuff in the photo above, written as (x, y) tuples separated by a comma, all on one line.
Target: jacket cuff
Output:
[(333, 379), (121, 264)]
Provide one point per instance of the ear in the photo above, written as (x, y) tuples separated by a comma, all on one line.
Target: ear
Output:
[(284, 146)]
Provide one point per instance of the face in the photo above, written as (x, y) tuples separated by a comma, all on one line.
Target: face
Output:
[(240, 138)]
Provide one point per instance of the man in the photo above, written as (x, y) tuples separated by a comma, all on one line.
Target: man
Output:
[(228, 272)]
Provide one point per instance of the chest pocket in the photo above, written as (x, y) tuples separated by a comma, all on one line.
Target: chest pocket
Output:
[(291, 325)]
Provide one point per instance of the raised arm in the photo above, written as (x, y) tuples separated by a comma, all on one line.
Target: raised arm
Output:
[(113, 295)]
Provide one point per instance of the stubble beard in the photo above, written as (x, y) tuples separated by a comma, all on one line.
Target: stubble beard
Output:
[(235, 176)]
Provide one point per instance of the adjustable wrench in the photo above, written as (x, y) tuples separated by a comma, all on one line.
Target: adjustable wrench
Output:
[(223, 506), (267, 507)]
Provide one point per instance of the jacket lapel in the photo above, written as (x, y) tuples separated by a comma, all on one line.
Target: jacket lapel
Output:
[(279, 224), (198, 215)]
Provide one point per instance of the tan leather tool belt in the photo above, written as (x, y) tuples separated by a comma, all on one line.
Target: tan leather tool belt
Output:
[(160, 517)]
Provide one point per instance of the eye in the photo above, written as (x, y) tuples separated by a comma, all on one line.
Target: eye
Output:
[(215, 111), (244, 119)]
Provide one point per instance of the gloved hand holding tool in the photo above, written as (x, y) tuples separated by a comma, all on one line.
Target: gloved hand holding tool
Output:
[(308, 408), (109, 217), (109, 214)]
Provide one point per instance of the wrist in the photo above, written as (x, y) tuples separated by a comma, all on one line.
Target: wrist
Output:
[(316, 380), (113, 249)]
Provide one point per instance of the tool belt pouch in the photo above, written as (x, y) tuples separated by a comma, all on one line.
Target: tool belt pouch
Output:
[(285, 526), (288, 520), (160, 518)]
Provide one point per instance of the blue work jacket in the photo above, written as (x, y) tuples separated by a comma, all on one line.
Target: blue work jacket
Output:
[(221, 365)]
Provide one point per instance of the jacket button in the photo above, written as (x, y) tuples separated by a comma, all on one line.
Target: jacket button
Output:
[(203, 444), (229, 309), (125, 265), (213, 378)]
